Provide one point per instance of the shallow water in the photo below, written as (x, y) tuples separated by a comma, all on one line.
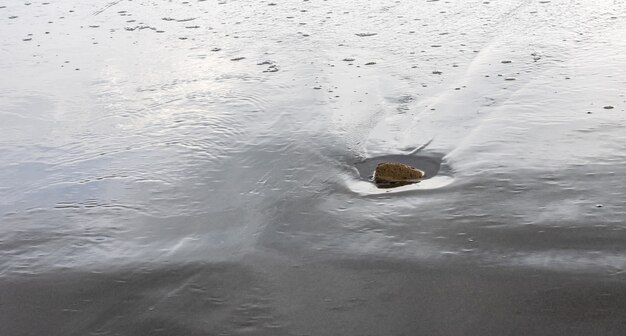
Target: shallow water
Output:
[(192, 168)]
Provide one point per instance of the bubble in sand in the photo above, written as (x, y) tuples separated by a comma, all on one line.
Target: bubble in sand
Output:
[(272, 68)]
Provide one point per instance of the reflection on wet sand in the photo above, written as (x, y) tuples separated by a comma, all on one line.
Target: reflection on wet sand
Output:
[(204, 167)]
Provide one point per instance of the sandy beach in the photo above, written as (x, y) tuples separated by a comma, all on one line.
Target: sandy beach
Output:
[(204, 167)]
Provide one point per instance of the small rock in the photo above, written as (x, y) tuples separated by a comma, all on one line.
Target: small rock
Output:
[(608, 107), (391, 174)]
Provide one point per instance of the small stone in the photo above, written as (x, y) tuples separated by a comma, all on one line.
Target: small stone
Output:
[(599, 205), (396, 174), (608, 107)]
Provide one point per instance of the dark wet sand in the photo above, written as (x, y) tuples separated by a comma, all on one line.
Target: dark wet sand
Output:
[(339, 297)]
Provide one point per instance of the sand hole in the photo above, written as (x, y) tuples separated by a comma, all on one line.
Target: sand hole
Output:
[(437, 173)]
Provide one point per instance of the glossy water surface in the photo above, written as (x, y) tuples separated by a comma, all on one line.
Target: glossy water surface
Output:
[(192, 167)]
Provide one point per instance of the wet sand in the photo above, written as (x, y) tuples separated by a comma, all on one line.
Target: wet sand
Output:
[(201, 168), (343, 296)]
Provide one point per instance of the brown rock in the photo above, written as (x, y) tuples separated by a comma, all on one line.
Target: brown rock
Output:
[(396, 173)]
